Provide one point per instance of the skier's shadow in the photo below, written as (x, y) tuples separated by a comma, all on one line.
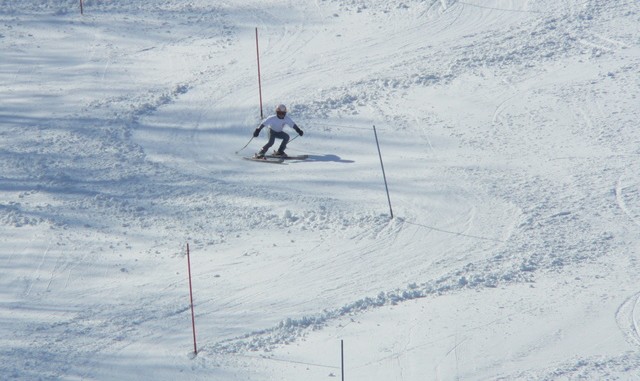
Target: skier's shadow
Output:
[(334, 158)]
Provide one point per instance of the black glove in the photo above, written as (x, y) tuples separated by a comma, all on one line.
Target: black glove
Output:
[(256, 133), (298, 130)]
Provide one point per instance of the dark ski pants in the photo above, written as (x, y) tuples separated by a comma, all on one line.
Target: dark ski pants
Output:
[(272, 139)]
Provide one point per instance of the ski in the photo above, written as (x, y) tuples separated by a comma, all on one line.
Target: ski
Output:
[(298, 157), (265, 159)]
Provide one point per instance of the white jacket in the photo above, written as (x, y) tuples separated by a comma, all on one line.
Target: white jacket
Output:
[(277, 124)]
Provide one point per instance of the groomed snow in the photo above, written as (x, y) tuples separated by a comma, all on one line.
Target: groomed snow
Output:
[(509, 135)]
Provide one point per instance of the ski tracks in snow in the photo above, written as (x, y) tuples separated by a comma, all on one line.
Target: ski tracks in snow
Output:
[(628, 197), (628, 317)]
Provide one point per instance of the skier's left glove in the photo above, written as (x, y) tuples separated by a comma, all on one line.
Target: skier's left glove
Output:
[(256, 133), (298, 130)]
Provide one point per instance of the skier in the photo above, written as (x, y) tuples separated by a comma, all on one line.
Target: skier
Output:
[(276, 125)]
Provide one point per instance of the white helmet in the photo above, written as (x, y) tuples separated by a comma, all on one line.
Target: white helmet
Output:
[(281, 111)]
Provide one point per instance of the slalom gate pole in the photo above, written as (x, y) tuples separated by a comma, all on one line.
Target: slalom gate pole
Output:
[(383, 174), (193, 318), (259, 80), (342, 358), (81, 8)]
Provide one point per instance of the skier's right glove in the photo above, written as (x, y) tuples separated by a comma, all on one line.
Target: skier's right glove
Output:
[(256, 133)]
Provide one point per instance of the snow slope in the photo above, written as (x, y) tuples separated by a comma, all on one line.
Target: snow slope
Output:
[(508, 131)]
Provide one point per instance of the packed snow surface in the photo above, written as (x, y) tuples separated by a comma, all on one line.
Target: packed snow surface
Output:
[(507, 250)]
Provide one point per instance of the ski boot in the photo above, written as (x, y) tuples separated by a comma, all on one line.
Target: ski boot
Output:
[(279, 154)]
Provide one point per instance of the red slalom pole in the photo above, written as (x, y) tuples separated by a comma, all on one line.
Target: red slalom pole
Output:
[(193, 317), (81, 8), (259, 81)]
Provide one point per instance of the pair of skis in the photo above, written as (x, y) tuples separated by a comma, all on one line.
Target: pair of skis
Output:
[(275, 159)]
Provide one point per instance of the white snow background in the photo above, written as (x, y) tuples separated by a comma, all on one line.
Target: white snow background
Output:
[(510, 139)]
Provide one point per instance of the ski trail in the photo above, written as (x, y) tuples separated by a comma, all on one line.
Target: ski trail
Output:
[(37, 272), (524, 10), (627, 319), (52, 275), (619, 192)]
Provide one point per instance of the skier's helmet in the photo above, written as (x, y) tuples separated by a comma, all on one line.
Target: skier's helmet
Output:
[(281, 111)]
